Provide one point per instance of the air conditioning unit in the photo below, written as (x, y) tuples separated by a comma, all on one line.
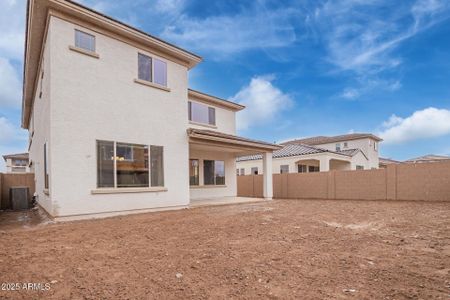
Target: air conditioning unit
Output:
[(19, 197)]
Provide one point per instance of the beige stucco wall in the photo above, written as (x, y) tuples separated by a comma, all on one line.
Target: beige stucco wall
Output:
[(40, 124), (225, 120), (97, 99), (230, 188)]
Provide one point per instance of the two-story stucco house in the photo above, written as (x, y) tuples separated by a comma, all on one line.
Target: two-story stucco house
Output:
[(113, 126), (17, 163), (356, 151)]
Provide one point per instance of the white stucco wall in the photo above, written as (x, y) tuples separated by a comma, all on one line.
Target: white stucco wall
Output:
[(366, 145), (230, 188), (97, 99), (40, 125), (225, 120)]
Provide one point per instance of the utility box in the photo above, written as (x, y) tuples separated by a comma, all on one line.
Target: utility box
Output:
[(19, 197)]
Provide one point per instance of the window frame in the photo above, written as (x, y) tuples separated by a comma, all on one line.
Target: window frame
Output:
[(313, 169), (115, 185), (88, 34), (302, 166), (214, 172), (197, 182), (152, 82), (209, 109)]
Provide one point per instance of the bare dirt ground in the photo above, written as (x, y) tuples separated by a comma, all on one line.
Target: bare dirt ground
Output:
[(279, 249)]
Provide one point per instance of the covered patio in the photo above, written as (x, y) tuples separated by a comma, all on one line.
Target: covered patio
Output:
[(212, 164), (323, 162)]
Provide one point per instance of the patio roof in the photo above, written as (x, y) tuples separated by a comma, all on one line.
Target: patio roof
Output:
[(219, 138)]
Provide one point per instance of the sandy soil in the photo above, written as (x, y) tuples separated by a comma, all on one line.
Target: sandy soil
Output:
[(279, 249)]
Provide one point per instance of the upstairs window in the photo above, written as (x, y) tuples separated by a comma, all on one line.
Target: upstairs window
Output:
[(152, 69), (201, 113), (255, 170), (84, 41), (338, 147), (144, 67)]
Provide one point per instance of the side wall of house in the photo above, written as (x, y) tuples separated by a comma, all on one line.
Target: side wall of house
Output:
[(97, 99), (366, 145), (39, 129), (230, 187)]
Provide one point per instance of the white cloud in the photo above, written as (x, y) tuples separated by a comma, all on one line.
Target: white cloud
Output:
[(224, 35), (422, 124), (264, 102), (10, 85), (365, 85)]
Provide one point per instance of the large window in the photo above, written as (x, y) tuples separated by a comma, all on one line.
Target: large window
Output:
[(194, 172), (121, 165), (214, 172), (132, 165), (152, 69), (157, 165), (84, 41), (105, 164), (202, 113), (338, 147)]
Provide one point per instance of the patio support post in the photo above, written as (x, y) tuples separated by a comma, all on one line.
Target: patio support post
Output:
[(324, 164), (267, 176)]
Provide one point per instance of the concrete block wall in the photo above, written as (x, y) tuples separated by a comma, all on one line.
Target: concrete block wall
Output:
[(422, 182)]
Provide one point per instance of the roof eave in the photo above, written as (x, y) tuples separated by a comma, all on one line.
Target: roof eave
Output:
[(215, 100)]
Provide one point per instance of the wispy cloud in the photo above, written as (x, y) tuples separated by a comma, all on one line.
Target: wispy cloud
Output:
[(361, 35), (223, 35), (264, 102), (366, 84), (422, 124), (361, 39)]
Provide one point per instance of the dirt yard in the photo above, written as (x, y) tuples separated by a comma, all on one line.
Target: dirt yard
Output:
[(280, 249)]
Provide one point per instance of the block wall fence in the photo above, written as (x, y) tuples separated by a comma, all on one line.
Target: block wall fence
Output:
[(420, 182)]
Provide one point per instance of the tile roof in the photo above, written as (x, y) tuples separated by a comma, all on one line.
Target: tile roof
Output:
[(386, 161), (317, 140), (298, 150), (428, 158), (17, 155)]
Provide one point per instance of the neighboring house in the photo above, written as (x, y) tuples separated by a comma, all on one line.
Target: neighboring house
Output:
[(318, 154), (17, 163), (384, 162), (427, 158), (113, 126)]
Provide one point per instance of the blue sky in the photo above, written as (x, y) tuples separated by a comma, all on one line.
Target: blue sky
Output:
[(302, 68)]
